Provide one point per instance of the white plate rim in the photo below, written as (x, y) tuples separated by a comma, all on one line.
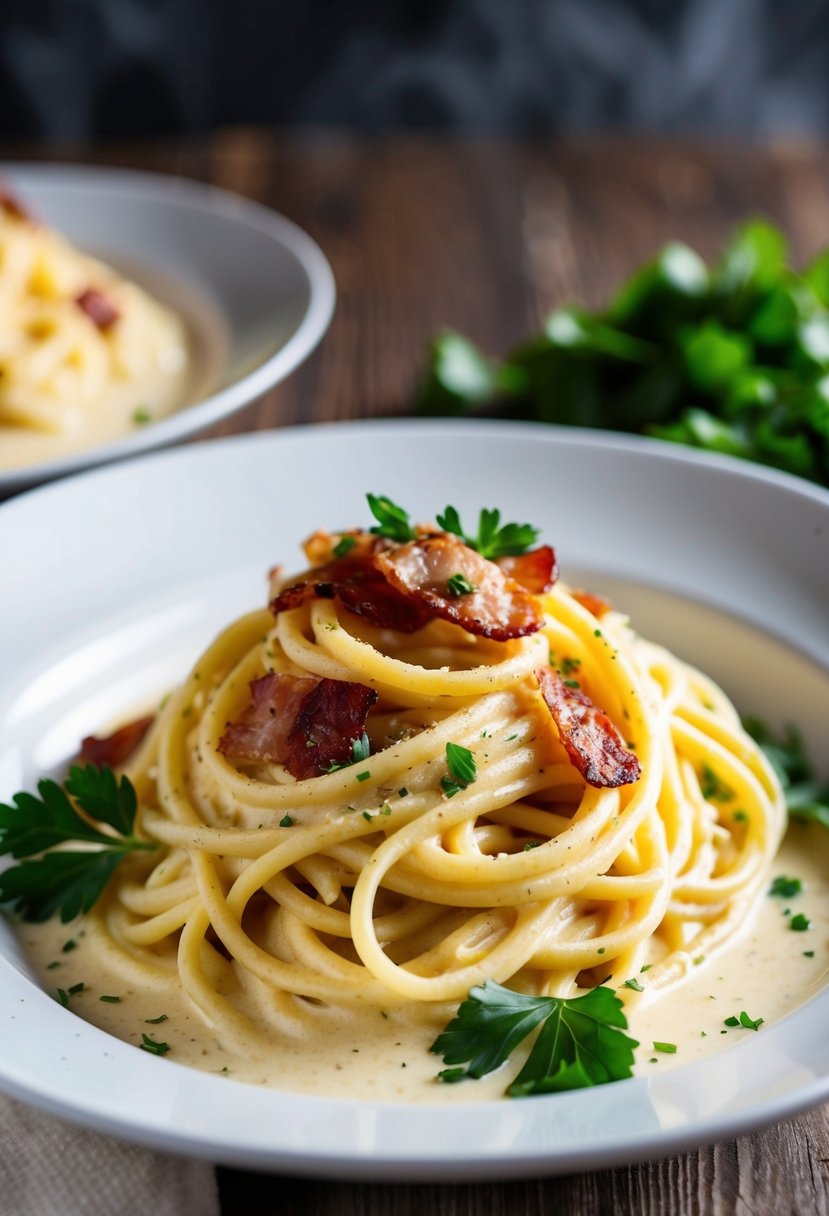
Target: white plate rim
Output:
[(196, 196), (342, 1153)]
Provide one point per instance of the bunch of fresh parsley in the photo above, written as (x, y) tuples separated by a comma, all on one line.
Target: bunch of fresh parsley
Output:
[(733, 358)]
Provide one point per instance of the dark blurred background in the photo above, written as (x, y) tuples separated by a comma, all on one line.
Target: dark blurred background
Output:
[(77, 70)]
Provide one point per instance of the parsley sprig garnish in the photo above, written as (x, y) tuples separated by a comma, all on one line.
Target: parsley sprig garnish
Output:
[(392, 521), (806, 797), (581, 1041), (68, 881), (492, 539)]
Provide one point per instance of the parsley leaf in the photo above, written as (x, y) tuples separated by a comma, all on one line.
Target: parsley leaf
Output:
[(806, 797), (459, 584), (580, 1043), (492, 539), (463, 769), (360, 751), (65, 880), (392, 521), (785, 888)]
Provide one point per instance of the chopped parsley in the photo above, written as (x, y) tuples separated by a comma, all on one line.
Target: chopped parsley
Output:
[(459, 584), (286, 821), (162, 1017), (360, 751), (800, 923), (110, 1000), (462, 769), (666, 1048), (154, 1048), (363, 776), (344, 546), (141, 415), (711, 786), (634, 984), (580, 1043), (745, 1021), (785, 888)]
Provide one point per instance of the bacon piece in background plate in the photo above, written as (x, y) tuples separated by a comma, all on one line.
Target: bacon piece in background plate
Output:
[(299, 721), (498, 607), (98, 307), (590, 739), (115, 749)]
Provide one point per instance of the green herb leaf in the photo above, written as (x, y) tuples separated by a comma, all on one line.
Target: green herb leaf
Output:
[(580, 1044), (344, 546), (785, 888), (360, 751), (459, 584), (493, 539), (154, 1048), (392, 521), (807, 799), (462, 766), (66, 881)]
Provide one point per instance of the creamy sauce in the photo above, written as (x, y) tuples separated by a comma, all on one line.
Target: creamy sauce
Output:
[(129, 406), (767, 971)]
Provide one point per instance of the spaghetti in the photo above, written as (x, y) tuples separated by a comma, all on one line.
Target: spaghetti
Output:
[(74, 338), (543, 809)]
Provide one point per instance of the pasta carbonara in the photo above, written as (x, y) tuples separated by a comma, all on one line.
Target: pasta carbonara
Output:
[(84, 353), (420, 769)]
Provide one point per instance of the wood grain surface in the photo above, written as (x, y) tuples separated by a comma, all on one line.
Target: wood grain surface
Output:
[(486, 237)]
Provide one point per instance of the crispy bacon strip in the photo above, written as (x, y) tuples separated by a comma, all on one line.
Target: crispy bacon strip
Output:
[(592, 601), (498, 608), (299, 721), (98, 307), (590, 739), (536, 570), (115, 749), (360, 587)]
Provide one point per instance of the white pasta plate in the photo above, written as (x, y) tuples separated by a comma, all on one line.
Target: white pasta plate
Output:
[(255, 292), (102, 605)]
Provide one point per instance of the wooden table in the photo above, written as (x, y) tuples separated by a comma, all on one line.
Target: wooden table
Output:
[(486, 237)]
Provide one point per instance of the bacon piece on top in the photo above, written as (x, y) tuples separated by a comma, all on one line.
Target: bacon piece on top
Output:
[(356, 582), (592, 601), (98, 307), (299, 721), (536, 570), (115, 749), (590, 739), (498, 607)]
